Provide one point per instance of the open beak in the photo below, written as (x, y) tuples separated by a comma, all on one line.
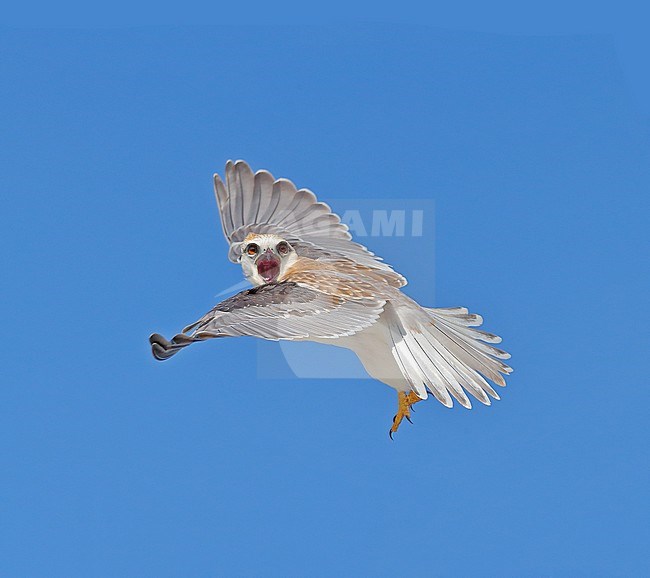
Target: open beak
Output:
[(268, 266)]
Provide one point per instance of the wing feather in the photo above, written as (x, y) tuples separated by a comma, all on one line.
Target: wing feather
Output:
[(277, 311), (257, 203)]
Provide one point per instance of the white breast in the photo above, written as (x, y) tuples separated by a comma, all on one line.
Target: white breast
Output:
[(372, 347)]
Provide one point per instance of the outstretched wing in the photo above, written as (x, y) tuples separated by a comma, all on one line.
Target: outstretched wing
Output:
[(277, 311), (258, 203)]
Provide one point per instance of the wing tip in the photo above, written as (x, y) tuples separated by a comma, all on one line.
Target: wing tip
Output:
[(163, 349), (160, 347)]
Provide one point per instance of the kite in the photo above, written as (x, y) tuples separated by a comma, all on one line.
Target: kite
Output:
[(312, 282)]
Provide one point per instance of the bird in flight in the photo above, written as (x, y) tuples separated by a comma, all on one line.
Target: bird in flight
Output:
[(311, 282)]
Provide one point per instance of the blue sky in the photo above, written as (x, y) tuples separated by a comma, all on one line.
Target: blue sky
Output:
[(533, 150)]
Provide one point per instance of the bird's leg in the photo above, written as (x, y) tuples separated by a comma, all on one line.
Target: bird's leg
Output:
[(404, 403)]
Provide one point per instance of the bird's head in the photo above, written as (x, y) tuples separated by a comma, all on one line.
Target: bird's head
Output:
[(264, 258)]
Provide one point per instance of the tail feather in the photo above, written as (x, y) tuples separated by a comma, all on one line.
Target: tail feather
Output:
[(405, 360), (465, 351), (448, 376), (467, 379), (471, 336), (421, 365), (457, 317), (440, 352), (431, 377)]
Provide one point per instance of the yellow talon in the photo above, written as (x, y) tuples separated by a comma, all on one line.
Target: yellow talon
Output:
[(404, 403)]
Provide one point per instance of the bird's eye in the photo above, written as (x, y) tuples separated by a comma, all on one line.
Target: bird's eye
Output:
[(283, 247), (252, 249)]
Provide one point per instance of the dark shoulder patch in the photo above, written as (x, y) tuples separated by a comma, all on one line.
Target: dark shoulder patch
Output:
[(269, 294)]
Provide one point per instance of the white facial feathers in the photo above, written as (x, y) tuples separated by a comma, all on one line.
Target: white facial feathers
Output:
[(265, 257)]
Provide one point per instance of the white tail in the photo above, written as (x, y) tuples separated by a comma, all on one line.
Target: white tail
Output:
[(438, 350)]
